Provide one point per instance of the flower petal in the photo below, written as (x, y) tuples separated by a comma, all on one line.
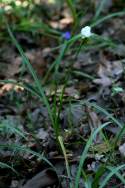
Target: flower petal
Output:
[(86, 32)]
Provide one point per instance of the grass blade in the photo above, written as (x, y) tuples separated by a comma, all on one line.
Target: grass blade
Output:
[(113, 172), (83, 74), (99, 9), (73, 11), (57, 62), (117, 174), (7, 126), (65, 156), (32, 72), (84, 154), (105, 18), (4, 165), (119, 136), (105, 112), (19, 148)]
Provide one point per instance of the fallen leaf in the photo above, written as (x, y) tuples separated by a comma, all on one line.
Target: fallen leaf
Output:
[(43, 179), (42, 134), (94, 122), (122, 149)]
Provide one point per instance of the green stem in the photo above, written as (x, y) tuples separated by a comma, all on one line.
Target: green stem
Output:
[(73, 11)]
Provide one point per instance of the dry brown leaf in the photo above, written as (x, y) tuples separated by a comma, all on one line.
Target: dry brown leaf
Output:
[(122, 149), (8, 87), (94, 122), (43, 179)]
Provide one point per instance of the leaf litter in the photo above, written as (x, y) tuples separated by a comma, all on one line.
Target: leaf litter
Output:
[(26, 116)]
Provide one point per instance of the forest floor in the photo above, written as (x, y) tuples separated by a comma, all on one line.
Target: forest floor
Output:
[(62, 95)]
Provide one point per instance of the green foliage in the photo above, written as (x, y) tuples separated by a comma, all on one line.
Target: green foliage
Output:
[(8, 127), (75, 45)]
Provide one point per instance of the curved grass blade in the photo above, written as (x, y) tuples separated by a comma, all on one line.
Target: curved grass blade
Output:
[(117, 174), (73, 11), (64, 47), (83, 74), (65, 156), (32, 72), (98, 174), (104, 112), (99, 9), (6, 126), (119, 136), (113, 172), (85, 151), (57, 62), (4, 165), (18, 148), (105, 18), (39, 26)]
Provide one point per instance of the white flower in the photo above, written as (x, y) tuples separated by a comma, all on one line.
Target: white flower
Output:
[(86, 32)]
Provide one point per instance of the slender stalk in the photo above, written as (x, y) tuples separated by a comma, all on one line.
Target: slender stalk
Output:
[(65, 156), (73, 11)]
